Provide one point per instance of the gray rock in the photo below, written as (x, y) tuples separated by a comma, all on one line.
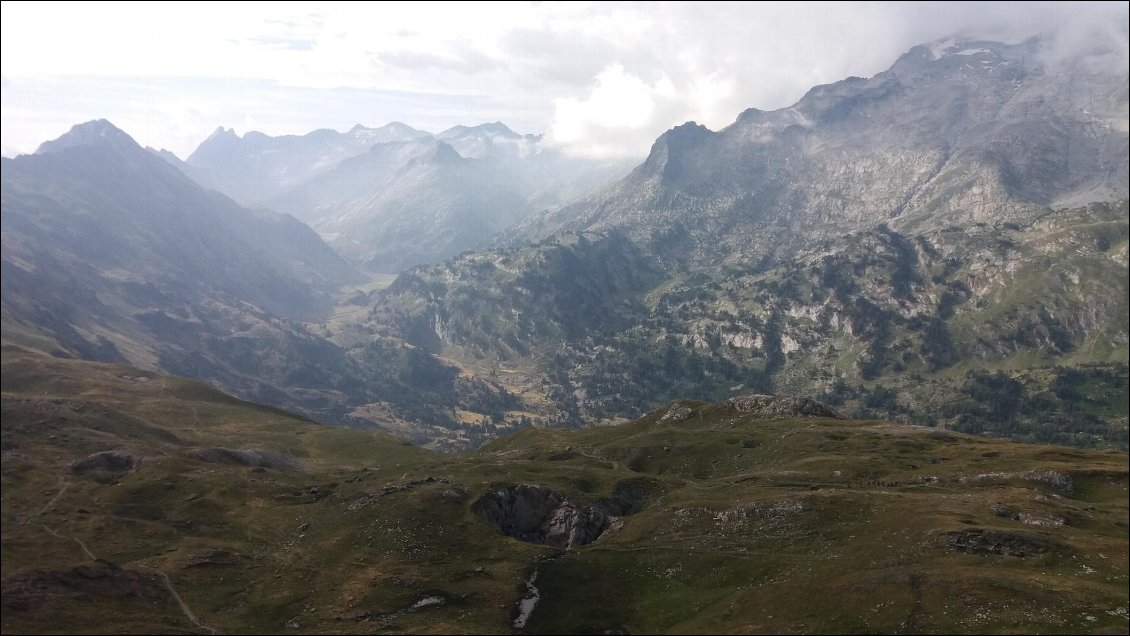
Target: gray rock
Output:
[(780, 406)]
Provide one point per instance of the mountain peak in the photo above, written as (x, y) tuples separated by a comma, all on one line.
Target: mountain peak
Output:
[(495, 129), (666, 158), (399, 125), (444, 154), (392, 131), (98, 132), (686, 135), (222, 133)]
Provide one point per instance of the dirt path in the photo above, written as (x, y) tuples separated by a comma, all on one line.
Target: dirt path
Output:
[(183, 606), (591, 455), (185, 609), (80, 543), (63, 485)]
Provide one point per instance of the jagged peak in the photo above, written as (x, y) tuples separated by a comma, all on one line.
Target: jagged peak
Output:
[(664, 158), (164, 153), (221, 133), (685, 135), (444, 154), (440, 153)]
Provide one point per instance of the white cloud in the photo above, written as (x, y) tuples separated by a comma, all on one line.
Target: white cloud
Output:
[(605, 78), (622, 112)]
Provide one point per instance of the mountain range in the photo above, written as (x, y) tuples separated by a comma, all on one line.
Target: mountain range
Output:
[(392, 197), (944, 243), (112, 254), (894, 244)]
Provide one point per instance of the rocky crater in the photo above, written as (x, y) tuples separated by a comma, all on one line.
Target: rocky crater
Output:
[(539, 514)]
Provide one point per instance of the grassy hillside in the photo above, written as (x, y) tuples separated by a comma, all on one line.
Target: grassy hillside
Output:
[(120, 486)]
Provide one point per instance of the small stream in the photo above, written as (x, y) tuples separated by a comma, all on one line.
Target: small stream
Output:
[(529, 602)]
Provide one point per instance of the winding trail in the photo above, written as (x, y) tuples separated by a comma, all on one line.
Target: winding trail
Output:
[(592, 455), (183, 606), (79, 542), (185, 609), (63, 485)]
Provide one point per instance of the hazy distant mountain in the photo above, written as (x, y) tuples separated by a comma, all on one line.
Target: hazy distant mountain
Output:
[(256, 167), (349, 179), (376, 197), (490, 140), (95, 195), (437, 205), (110, 253), (890, 243)]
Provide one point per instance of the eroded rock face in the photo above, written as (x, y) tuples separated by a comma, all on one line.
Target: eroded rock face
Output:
[(780, 406), (540, 514)]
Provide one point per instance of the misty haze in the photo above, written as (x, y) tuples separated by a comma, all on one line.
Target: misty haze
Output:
[(564, 318)]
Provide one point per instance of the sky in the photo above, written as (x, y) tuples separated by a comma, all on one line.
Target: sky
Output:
[(598, 79)]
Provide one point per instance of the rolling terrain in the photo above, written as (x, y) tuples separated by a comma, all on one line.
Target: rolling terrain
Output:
[(161, 505)]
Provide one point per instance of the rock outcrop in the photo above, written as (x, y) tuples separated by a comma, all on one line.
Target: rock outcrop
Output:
[(780, 406)]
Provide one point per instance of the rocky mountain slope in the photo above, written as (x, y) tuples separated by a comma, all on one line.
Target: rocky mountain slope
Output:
[(883, 242), (144, 503), (954, 133)]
